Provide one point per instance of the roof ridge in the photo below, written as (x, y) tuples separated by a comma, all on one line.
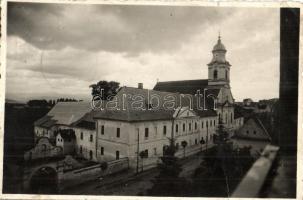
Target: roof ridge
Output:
[(182, 80), (262, 126)]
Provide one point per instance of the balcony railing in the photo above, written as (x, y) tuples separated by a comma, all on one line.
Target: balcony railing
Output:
[(252, 183)]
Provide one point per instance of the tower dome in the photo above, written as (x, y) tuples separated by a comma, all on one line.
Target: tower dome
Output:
[(219, 46)]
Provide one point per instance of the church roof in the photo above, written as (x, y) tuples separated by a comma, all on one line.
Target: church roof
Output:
[(185, 86), (145, 114)]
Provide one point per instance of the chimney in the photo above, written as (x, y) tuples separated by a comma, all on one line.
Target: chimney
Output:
[(140, 85)]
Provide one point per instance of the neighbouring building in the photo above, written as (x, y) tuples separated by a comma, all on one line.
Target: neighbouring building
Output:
[(66, 139), (252, 134), (86, 137), (248, 102), (238, 118), (61, 116)]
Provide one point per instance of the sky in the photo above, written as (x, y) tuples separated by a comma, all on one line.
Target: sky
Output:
[(58, 50)]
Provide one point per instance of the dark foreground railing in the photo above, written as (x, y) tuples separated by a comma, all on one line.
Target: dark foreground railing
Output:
[(252, 183)]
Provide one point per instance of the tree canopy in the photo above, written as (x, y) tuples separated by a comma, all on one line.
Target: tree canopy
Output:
[(104, 89)]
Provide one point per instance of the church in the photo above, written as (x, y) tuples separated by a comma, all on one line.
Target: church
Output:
[(106, 135), (217, 84)]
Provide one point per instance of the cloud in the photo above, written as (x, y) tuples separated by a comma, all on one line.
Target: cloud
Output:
[(71, 47), (113, 28)]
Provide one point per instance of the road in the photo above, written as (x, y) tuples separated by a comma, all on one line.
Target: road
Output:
[(128, 184)]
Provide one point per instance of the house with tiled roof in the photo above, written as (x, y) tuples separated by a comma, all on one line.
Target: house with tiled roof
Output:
[(252, 134), (61, 116)]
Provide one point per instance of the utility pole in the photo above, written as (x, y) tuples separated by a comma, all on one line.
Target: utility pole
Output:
[(137, 171), (206, 135)]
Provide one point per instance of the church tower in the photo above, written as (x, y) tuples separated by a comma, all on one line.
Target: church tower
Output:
[(219, 68)]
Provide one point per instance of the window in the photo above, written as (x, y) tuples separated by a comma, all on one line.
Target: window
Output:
[(102, 130), (177, 145), (211, 123), (196, 126), (176, 128), (183, 127), (226, 117), (118, 132), (90, 154), (102, 151), (215, 74), (164, 130), (189, 126), (247, 132), (226, 73), (202, 124), (146, 133), (81, 136), (91, 138), (196, 141), (155, 151), (219, 116), (214, 122), (146, 153), (117, 155), (231, 118), (80, 149), (206, 124), (255, 132)]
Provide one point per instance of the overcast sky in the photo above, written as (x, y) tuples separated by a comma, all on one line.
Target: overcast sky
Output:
[(58, 50)]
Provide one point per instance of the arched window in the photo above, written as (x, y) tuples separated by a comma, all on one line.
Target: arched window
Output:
[(231, 117), (226, 74), (215, 74)]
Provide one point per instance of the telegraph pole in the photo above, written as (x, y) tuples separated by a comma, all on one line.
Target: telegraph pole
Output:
[(137, 170), (206, 135)]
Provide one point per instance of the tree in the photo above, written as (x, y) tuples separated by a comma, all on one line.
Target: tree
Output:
[(105, 89), (202, 141), (222, 167), (184, 145), (104, 166), (168, 182), (37, 103)]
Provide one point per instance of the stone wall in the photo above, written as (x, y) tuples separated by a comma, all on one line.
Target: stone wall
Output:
[(43, 149)]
